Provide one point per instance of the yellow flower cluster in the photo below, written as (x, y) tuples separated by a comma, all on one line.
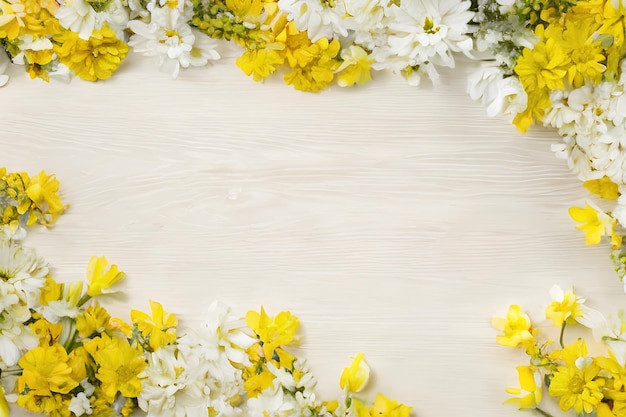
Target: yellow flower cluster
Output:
[(583, 45), (601, 225), (271, 41), (583, 383), (31, 32), (26, 200), (75, 359)]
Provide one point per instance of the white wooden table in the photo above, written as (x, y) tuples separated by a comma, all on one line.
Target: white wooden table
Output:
[(392, 220)]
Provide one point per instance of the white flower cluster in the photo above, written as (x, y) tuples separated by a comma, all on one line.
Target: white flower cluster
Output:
[(164, 33), (286, 396), (199, 372), (592, 121), (22, 276), (410, 37)]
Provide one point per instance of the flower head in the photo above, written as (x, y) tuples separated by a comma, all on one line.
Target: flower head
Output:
[(101, 277), (355, 377)]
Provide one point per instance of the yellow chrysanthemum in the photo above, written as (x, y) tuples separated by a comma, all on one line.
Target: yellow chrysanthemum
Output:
[(585, 54), (273, 331), (516, 327), (101, 277), (119, 365), (578, 388), (160, 329), (94, 59), (384, 407), (530, 382), (544, 66), (45, 370), (355, 377), (595, 223)]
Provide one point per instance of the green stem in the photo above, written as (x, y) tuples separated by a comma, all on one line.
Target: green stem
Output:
[(540, 411), (561, 335)]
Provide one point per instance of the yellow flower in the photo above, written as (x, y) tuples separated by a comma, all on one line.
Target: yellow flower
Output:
[(585, 54), (94, 59), (160, 329), (544, 66), (45, 370), (273, 332), (603, 187), (260, 63), (357, 409), (516, 327), (355, 68), (384, 407), (256, 379), (119, 365), (531, 383), (47, 333), (566, 306), (11, 19), (355, 377), (43, 190), (319, 67), (94, 320), (99, 278), (595, 223), (537, 104), (578, 387), (4, 406)]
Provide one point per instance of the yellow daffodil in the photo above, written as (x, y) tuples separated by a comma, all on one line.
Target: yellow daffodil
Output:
[(273, 331), (101, 277), (517, 329), (530, 381), (43, 189), (595, 223), (603, 187), (94, 320), (257, 379), (384, 407), (566, 306), (160, 329), (355, 68), (355, 377)]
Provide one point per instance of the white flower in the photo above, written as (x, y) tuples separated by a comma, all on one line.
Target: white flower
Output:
[(367, 22), (271, 402), (171, 40), (80, 405), (79, 16), (424, 32), (319, 20), (501, 96)]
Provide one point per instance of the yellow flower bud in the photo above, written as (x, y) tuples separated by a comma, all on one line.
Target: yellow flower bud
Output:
[(355, 377)]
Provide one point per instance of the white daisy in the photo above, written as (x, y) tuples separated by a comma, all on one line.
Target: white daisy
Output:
[(171, 40), (319, 19), (424, 31)]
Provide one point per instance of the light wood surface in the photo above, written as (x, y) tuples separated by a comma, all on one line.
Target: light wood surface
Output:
[(392, 220)]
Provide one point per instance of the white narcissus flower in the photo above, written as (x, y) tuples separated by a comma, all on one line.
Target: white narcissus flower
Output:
[(170, 39), (500, 95), (79, 16)]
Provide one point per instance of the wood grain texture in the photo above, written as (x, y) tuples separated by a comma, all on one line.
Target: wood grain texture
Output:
[(393, 220)]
